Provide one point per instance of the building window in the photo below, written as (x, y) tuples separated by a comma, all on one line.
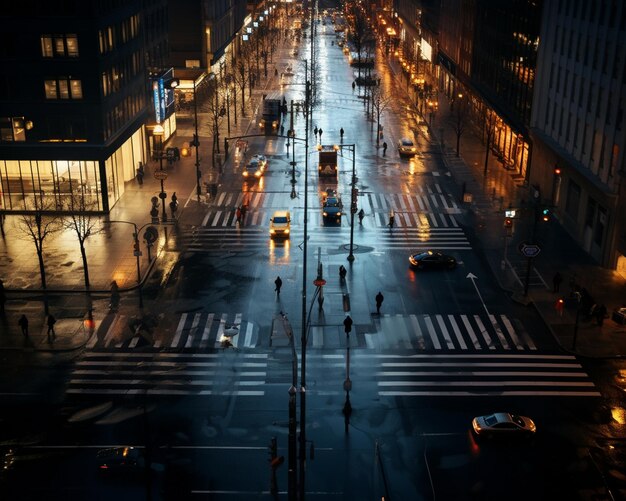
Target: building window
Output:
[(59, 45), (63, 88)]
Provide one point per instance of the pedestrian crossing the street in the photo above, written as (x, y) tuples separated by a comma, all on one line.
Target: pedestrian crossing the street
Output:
[(445, 333), (444, 375), (194, 331), (169, 374)]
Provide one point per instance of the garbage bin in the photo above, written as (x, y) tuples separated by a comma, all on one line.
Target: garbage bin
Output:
[(619, 316)]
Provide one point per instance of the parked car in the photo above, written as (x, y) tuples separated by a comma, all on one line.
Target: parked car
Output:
[(430, 259), (406, 147), (503, 424)]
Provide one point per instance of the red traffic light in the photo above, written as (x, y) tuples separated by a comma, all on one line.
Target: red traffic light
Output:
[(508, 222), (557, 171)]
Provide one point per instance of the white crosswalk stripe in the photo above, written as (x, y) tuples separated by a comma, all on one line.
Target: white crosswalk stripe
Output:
[(481, 375), (204, 239), (193, 331), (199, 374), (448, 333), (444, 375)]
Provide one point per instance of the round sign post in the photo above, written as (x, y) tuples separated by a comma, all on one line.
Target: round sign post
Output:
[(318, 282), (160, 175)]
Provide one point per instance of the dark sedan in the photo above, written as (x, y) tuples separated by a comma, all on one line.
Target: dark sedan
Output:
[(431, 260)]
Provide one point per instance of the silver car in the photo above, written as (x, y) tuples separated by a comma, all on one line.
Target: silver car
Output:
[(503, 423)]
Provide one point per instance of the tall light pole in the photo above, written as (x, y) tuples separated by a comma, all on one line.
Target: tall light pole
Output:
[(353, 197), (159, 131), (196, 141)]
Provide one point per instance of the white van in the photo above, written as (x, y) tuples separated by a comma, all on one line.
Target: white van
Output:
[(280, 224)]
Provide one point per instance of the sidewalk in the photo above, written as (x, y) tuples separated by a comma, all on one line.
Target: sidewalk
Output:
[(110, 253), (491, 195)]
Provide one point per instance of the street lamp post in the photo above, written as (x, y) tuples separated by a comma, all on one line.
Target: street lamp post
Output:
[(196, 142), (159, 131), (353, 197)]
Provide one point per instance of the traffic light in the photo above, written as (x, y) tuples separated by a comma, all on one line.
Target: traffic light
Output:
[(508, 222), (557, 171), (545, 215)]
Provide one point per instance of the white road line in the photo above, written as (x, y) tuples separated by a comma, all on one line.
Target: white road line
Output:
[(179, 330), (204, 340), (521, 393), (153, 391), (481, 364), (484, 374), (444, 331), (501, 337), (457, 332), (134, 341), (192, 332), (220, 330), (470, 331), (484, 332), (421, 342), (509, 327), (443, 382), (248, 339), (465, 356), (432, 332), (111, 331)]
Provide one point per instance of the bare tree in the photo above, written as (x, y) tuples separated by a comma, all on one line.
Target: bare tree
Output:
[(84, 222), (241, 74), (458, 119), (217, 111), (490, 121), (380, 102), (38, 224), (359, 33)]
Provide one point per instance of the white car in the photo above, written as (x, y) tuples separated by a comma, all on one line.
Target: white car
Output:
[(406, 147), (503, 423)]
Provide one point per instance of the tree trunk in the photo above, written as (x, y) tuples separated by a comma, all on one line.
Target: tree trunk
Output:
[(243, 100), (42, 268), (83, 254), (458, 143)]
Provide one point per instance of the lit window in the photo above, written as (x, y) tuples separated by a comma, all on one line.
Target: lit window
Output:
[(46, 46), (64, 91), (76, 89), (72, 45), (51, 89)]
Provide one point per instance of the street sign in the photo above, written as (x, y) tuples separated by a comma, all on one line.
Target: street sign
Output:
[(529, 250), (160, 175)]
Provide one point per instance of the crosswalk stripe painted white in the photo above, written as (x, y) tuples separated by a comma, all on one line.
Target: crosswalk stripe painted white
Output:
[(179, 330), (509, 328), (204, 341), (421, 342), (457, 332), (470, 331), (498, 331), (484, 333), (431, 331), (444, 330)]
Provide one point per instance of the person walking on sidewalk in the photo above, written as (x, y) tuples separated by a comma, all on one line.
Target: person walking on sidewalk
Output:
[(23, 323), (379, 301), (50, 322), (278, 283), (320, 133), (341, 133), (384, 148), (315, 132), (556, 282), (361, 216), (140, 173), (238, 214)]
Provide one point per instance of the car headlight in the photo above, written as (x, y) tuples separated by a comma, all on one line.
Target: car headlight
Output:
[(476, 426), (325, 213), (339, 213), (257, 173), (287, 231), (412, 260), (245, 173)]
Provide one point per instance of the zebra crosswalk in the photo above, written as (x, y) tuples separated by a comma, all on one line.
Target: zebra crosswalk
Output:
[(501, 375), (430, 209), (203, 239), (247, 374), (200, 374), (444, 375), (444, 333), (194, 331), (205, 331)]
